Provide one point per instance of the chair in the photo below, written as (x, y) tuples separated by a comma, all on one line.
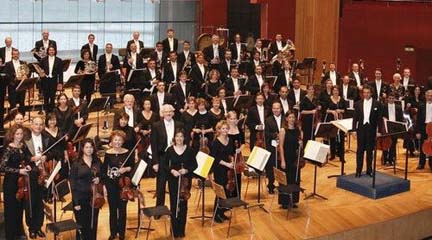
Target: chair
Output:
[(230, 204), (153, 213), (62, 189), (253, 175), (284, 188)]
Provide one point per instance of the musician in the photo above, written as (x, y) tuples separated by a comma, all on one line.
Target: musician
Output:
[(255, 82), (397, 88), (161, 97), (413, 103), (277, 64), (19, 120), (367, 113), (284, 78), (53, 80), (286, 102), (214, 53), (357, 77), (147, 118), (42, 46), (259, 48), (15, 163), (392, 112), (180, 92), (290, 141), (85, 171), (236, 135), (35, 145), (84, 66), (222, 149), (188, 117), (226, 65), (91, 46), (159, 55), (234, 84), (130, 135), (348, 92), (269, 95), (180, 163), (79, 108), (407, 79), (186, 58), (256, 62), (116, 160), (6, 51), (256, 117), (309, 109), (277, 45), (272, 124), (152, 75), (213, 84), (324, 97), (12, 69), (332, 74), (198, 74), (296, 94), (379, 87), (335, 110), (108, 62), (170, 43), (131, 62), (216, 113), (225, 105), (131, 110), (424, 117), (138, 43), (64, 114), (202, 124), (171, 69), (237, 49)]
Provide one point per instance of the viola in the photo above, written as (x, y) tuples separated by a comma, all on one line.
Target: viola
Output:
[(240, 161), (98, 199), (184, 188), (384, 143), (23, 192), (203, 142), (126, 192), (231, 180)]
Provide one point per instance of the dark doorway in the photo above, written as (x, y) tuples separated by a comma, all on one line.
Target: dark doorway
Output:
[(423, 65), (243, 18)]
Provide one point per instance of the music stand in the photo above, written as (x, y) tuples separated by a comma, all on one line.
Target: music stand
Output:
[(271, 80), (26, 85), (108, 83), (309, 63), (97, 105), (10, 116), (66, 64), (82, 133), (74, 80), (259, 169), (229, 101), (344, 125), (326, 130), (135, 73), (316, 162), (243, 102)]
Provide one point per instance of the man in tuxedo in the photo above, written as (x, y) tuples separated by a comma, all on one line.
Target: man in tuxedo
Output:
[(43, 44), (424, 117), (392, 112), (36, 144), (332, 74), (226, 65), (11, 69), (277, 45), (214, 53), (237, 49), (6, 51), (286, 101), (407, 80), (272, 124), (161, 138), (130, 109), (79, 106), (379, 87), (91, 46), (186, 58), (131, 62), (138, 43), (296, 94), (198, 74), (170, 43), (108, 62), (367, 116), (284, 78), (53, 79), (171, 69), (151, 76), (357, 78), (256, 118), (255, 82), (181, 91), (161, 97), (159, 55), (349, 92), (252, 65), (234, 85)]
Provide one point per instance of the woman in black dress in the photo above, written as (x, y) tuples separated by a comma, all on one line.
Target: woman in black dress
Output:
[(413, 102), (309, 107), (64, 114), (202, 125), (290, 139), (14, 164), (113, 167), (237, 137), (335, 110), (324, 97), (222, 150), (181, 162), (88, 82), (216, 113), (85, 171), (187, 117), (145, 121), (213, 84), (131, 137)]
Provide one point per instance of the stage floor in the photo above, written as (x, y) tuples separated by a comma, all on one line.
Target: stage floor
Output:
[(344, 215)]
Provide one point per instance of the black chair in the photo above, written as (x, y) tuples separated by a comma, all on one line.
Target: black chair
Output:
[(62, 189), (230, 204), (155, 213)]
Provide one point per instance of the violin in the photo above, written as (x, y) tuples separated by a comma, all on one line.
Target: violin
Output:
[(23, 192), (239, 166), (43, 173), (183, 190), (98, 199), (126, 192), (384, 143), (427, 144), (203, 142), (259, 142), (71, 151)]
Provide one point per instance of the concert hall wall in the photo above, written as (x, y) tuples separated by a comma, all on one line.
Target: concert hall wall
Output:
[(377, 32)]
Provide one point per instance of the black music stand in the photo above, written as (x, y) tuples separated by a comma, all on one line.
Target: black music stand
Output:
[(74, 80), (26, 85), (108, 83), (243, 102), (66, 64), (342, 162), (203, 217), (81, 133), (10, 116), (97, 105), (230, 102), (326, 130), (135, 74)]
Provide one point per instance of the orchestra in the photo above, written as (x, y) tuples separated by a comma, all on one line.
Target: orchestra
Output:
[(186, 102)]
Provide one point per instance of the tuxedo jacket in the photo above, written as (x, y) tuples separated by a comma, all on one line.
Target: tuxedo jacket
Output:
[(168, 73), (253, 118), (352, 93), (327, 76), (39, 45), (282, 81), (83, 108), (3, 53), (138, 65), (233, 49), (141, 45), (57, 72), (9, 69), (181, 58), (168, 99), (94, 53), (384, 89), (31, 148), (274, 49), (353, 81), (118, 113), (374, 117), (291, 95), (158, 140), (208, 53), (252, 85), (229, 86), (148, 78), (224, 71), (102, 64), (197, 78), (271, 131), (420, 127), (166, 46), (159, 63), (398, 109), (179, 95)]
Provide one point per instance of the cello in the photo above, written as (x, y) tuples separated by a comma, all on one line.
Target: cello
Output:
[(427, 144)]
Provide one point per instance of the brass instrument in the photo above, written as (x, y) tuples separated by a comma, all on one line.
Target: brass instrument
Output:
[(42, 52), (22, 72), (90, 67), (39, 70), (188, 62)]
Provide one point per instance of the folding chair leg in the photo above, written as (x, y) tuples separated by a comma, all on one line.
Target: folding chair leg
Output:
[(171, 230), (271, 202), (214, 214), (247, 187), (291, 203), (166, 232), (250, 221), (229, 223), (148, 232)]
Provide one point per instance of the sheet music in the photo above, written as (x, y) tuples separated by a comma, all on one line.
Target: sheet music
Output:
[(139, 172), (344, 124), (316, 151), (258, 158), (205, 162), (53, 174)]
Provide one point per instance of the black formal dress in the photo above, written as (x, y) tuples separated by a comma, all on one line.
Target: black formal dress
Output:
[(308, 120), (337, 144), (240, 138), (202, 121), (57, 152), (65, 120), (215, 118), (146, 124), (87, 83), (131, 136), (188, 120), (81, 179), (290, 153)]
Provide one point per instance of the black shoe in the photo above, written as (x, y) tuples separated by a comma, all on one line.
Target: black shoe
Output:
[(218, 219), (284, 206), (111, 238), (332, 157), (369, 174), (40, 233), (32, 235), (420, 167), (157, 217), (294, 206), (224, 217), (270, 190)]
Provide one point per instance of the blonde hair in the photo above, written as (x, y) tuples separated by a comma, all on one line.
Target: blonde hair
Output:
[(219, 126)]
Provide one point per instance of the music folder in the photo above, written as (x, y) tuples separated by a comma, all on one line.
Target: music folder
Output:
[(395, 127), (108, 82), (326, 130), (136, 73), (258, 158), (74, 80), (53, 174), (139, 172), (316, 152), (26, 84), (66, 64), (243, 102), (98, 104), (344, 124), (205, 163), (82, 133)]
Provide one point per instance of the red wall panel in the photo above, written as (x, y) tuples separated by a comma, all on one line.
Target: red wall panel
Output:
[(214, 13)]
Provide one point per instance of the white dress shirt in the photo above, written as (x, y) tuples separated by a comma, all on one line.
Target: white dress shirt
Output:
[(215, 51), (345, 91), (201, 68), (378, 84), (152, 73), (367, 106), (37, 143), (169, 126), (428, 117), (174, 68), (224, 105), (160, 96), (76, 101), (8, 54), (257, 63), (171, 44), (297, 95), (261, 113), (138, 46), (16, 65), (108, 57), (357, 78), (278, 121), (51, 60), (91, 46), (391, 111), (333, 77), (45, 44), (285, 105), (287, 76), (279, 45), (129, 111), (228, 63), (238, 47), (405, 83), (134, 58), (236, 84), (260, 80), (183, 87)]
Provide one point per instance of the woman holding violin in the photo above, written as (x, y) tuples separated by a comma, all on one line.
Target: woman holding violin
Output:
[(202, 126), (236, 135), (85, 179), (130, 136), (310, 114), (335, 110), (222, 151), (15, 184), (181, 163), (290, 144), (117, 166)]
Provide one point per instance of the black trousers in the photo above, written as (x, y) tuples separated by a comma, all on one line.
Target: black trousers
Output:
[(220, 177), (16, 98), (35, 220), (117, 209), (338, 144), (366, 138), (49, 87), (178, 223), (390, 155), (87, 87), (269, 168), (13, 209), (83, 218)]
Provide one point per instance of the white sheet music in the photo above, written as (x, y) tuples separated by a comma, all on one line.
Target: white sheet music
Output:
[(139, 172), (53, 174), (204, 162), (258, 158), (344, 124), (316, 151)]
